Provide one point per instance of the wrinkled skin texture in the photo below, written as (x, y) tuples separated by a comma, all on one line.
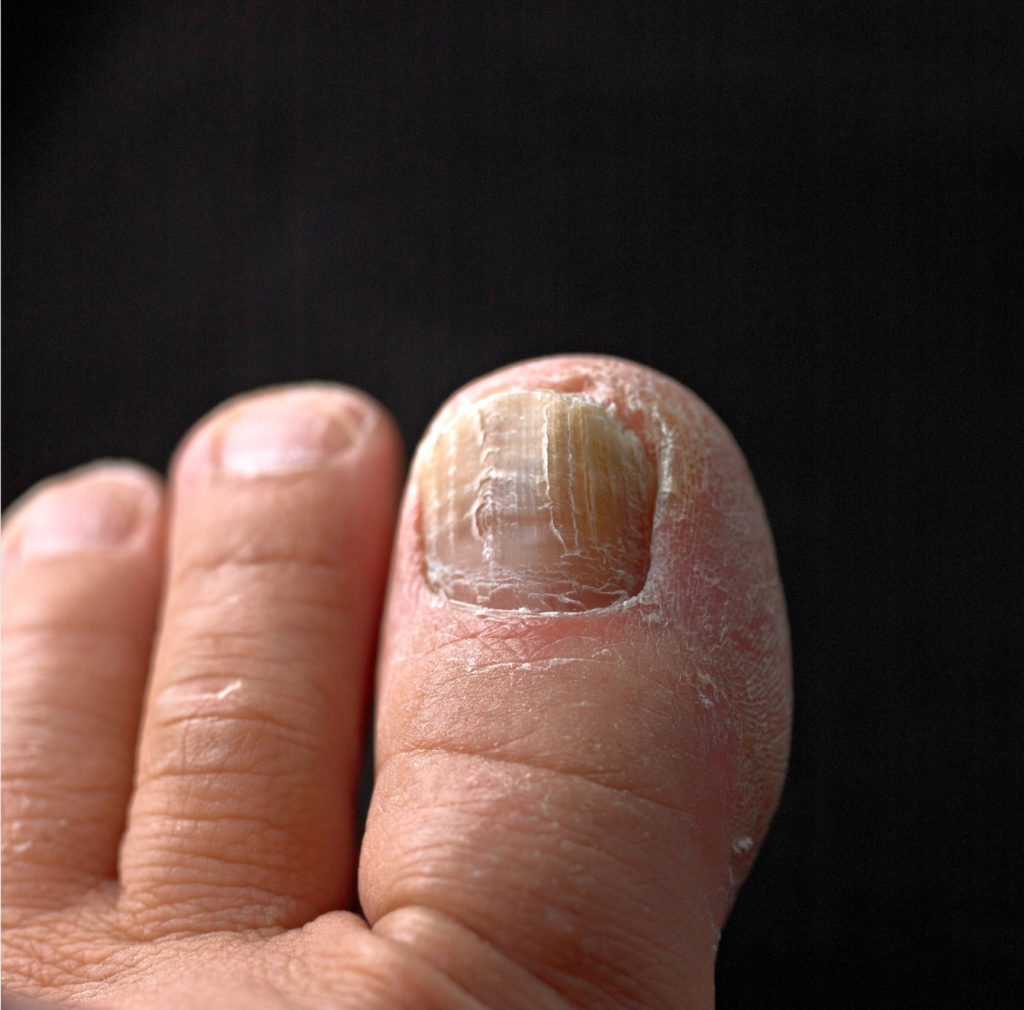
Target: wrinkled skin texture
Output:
[(565, 801)]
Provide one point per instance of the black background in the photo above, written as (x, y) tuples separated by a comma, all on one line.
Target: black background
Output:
[(809, 213)]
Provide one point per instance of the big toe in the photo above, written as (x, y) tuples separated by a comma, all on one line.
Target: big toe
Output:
[(584, 702)]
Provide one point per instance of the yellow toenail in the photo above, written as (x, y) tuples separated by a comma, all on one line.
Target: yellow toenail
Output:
[(536, 500)]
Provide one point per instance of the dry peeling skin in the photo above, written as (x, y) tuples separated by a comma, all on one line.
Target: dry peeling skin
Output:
[(634, 637), (710, 591), (540, 501)]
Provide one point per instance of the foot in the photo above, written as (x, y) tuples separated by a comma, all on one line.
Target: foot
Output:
[(582, 705)]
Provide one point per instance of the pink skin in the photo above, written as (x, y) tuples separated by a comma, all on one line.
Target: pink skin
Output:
[(665, 719), (565, 803)]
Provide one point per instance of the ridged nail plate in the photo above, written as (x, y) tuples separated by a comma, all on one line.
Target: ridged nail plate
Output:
[(536, 500)]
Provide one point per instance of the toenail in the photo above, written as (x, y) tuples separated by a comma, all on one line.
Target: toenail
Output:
[(288, 433), (90, 512), (536, 500)]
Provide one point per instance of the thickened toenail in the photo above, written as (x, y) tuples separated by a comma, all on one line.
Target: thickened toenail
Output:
[(286, 433), (92, 511), (536, 500)]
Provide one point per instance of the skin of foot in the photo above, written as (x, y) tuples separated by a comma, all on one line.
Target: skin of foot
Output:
[(569, 630)]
